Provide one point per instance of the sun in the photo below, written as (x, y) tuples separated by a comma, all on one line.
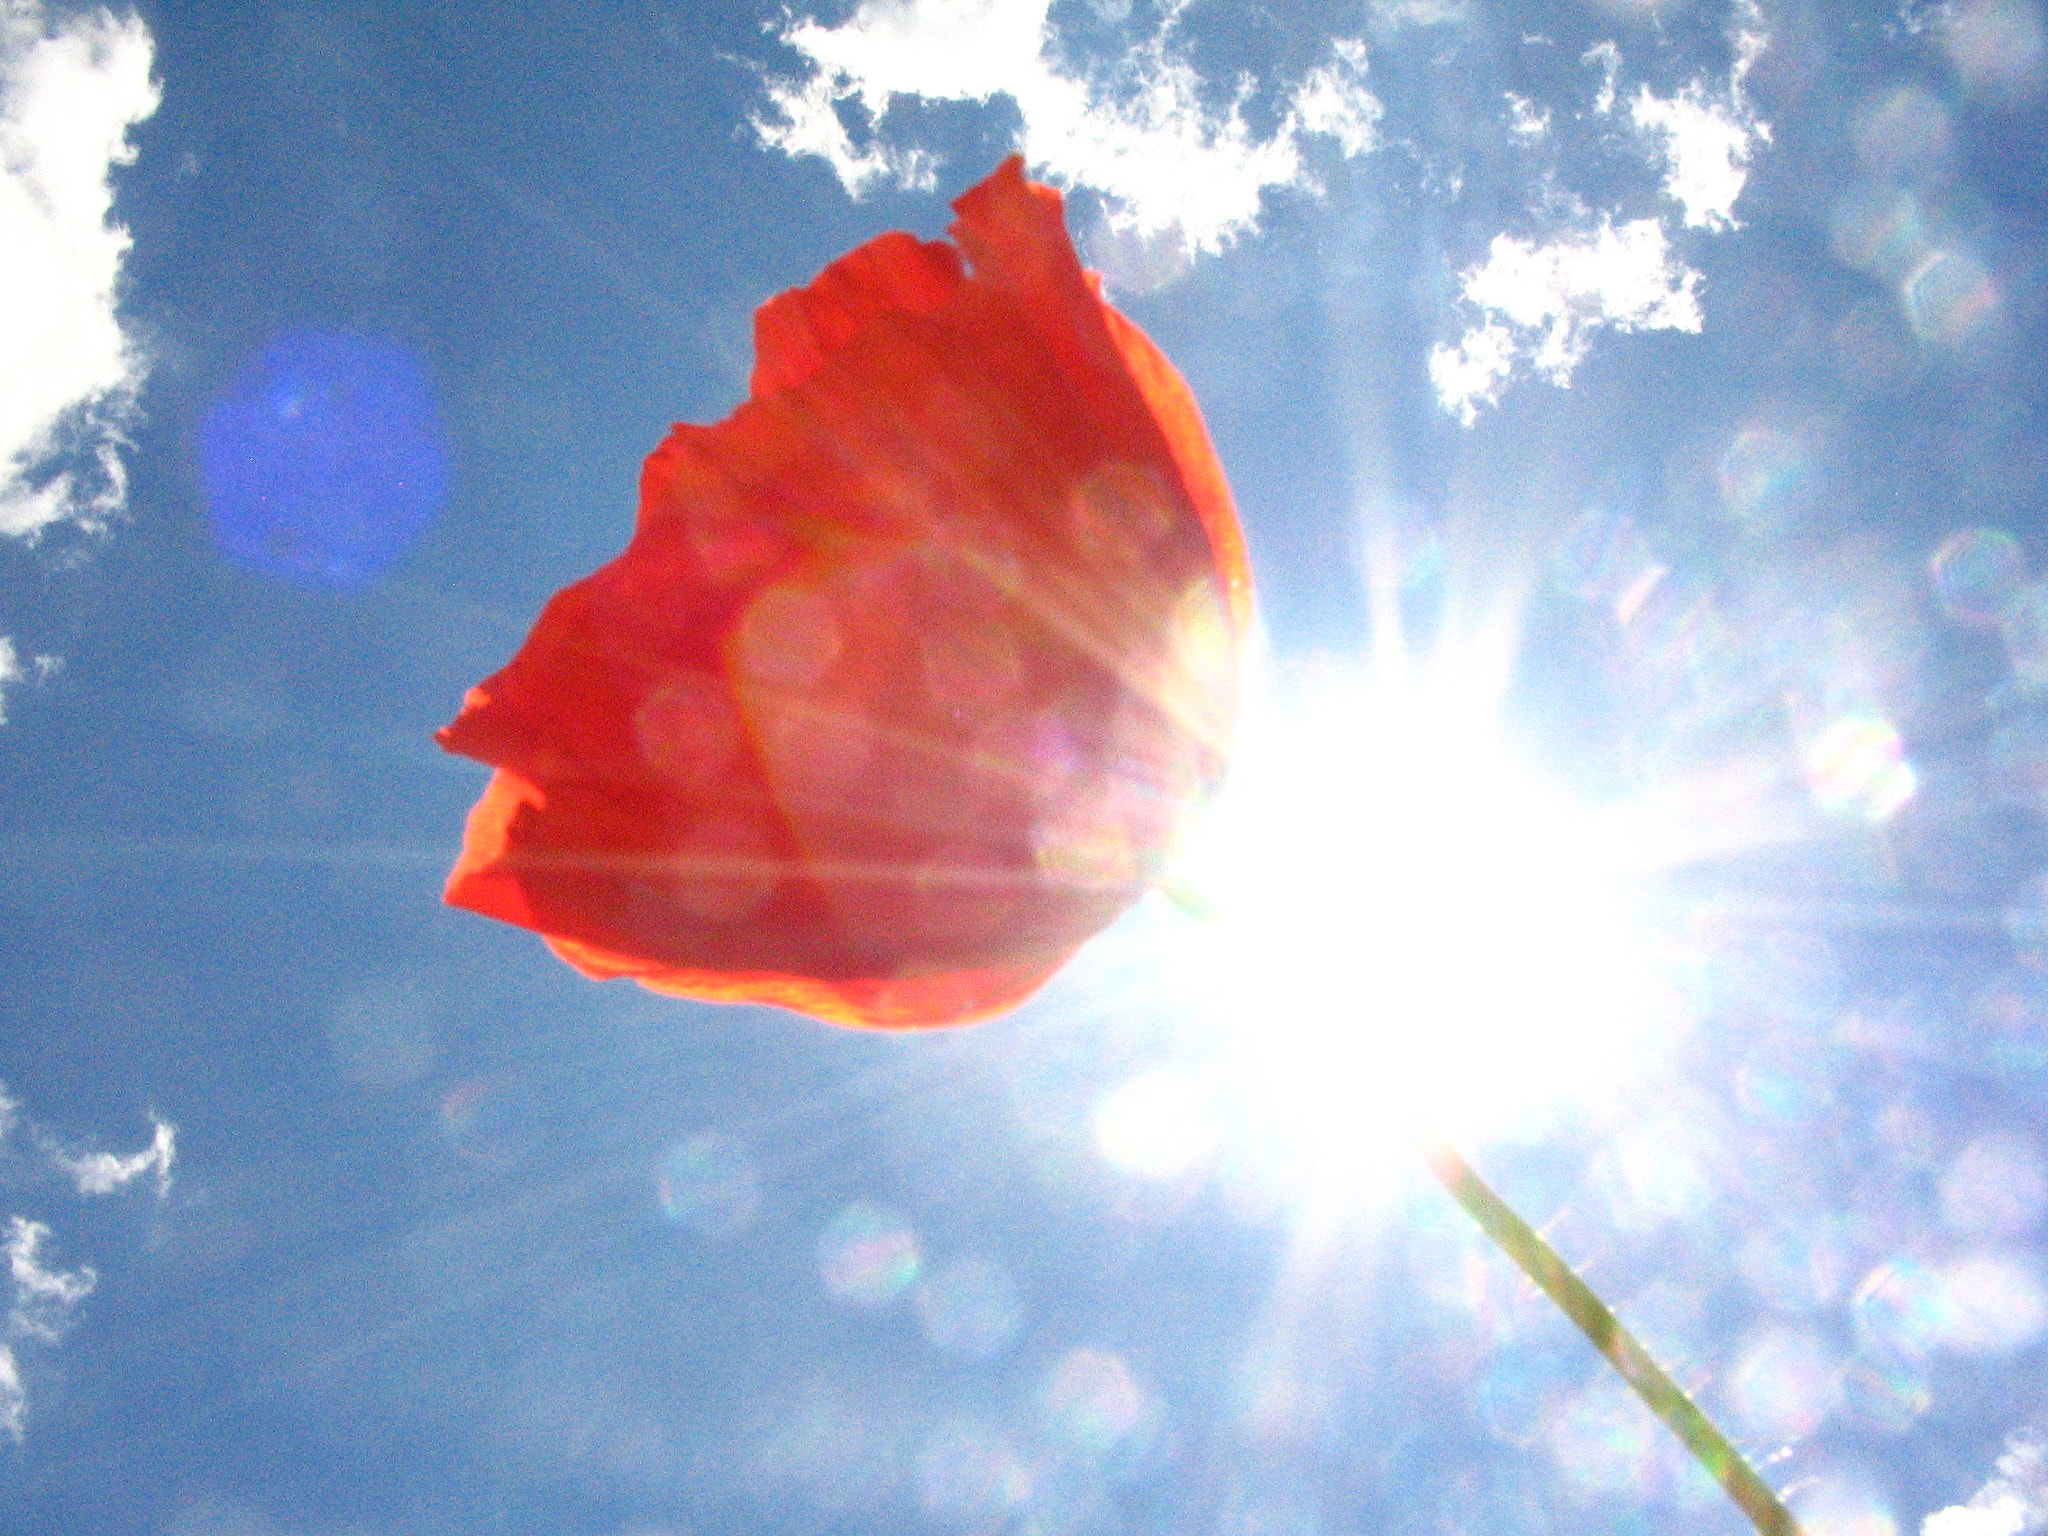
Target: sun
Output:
[(1407, 929)]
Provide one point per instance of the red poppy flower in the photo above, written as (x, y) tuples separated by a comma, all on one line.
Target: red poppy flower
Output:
[(912, 667)]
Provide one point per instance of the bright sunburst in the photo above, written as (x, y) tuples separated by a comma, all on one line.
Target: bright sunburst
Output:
[(1412, 928)]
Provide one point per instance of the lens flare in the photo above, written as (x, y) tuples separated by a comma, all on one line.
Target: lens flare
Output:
[(1857, 768), (1900, 1310), (1604, 1441), (1604, 558), (324, 461), (1995, 1187), (1888, 1393), (2023, 625), (968, 1472), (1903, 135), (1880, 229), (1998, 47), (1800, 1267), (1159, 1125), (490, 1121)]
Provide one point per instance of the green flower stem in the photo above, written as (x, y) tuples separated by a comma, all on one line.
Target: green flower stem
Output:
[(1540, 1262)]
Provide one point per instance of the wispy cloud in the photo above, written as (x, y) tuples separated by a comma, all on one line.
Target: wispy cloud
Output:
[(40, 1310), (1537, 304), (1540, 307), (1526, 120), (1705, 138), (1173, 156), (13, 1396), (1605, 57), (2013, 1503), (43, 1297), (72, 85), (101, 1173), (14, 671), (1140, 132)]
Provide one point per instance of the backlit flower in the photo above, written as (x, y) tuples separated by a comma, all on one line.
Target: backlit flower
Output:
[(913, 665)]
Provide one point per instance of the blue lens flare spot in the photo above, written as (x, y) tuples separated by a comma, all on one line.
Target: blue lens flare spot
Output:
[(324, 460)]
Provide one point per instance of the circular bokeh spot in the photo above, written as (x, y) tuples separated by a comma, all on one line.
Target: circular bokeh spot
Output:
[(968, 1473), (1996, 1303), (1977, 572), (1833, 1507), (1996, 1187), (1784, 1385), (707, 1184), (490, 1121), (1887, 1393), (970, 1308), (1900, 1310), (1094, 1400), (868, 1256), (1949, 297), (324, 459), (1765, 475), (1602, 1440), (1604, 558)]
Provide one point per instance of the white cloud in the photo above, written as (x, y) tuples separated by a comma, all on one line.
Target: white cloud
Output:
[(1538, 304), (1140, 134), (1526, 119), (1543, 304), (1608, 58), (13, 1396), (44, 1299), (40, 1309), (71, 88), (1473, 372), (1333, 100), (14, 671), (2013, 1503), (1706, 145), (101, 1173), (1999, 1516), (1751, 39)]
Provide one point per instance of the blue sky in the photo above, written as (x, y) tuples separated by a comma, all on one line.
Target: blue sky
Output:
[(1635, 411)]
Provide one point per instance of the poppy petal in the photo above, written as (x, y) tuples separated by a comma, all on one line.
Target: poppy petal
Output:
[(913, 664)]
